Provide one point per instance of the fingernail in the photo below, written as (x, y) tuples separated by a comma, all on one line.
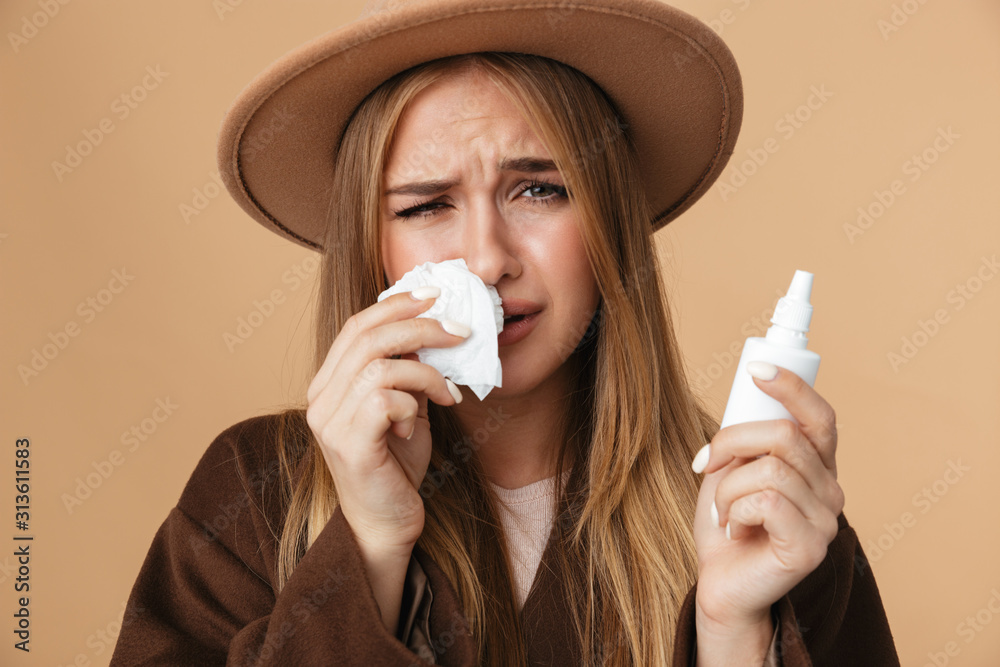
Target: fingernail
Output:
[(425, 292), (453, 388), (456, 328), (412, 429), (715, 515), (762, 370), (700, 459), (729, 535)]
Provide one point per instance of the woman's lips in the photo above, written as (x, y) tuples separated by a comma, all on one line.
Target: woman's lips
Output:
[(516, 328), (515, 306)]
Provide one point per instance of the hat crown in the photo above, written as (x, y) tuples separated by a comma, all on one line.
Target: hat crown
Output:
[(672, 78)]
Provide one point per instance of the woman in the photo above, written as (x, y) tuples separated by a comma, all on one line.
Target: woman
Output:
[(377, 523)]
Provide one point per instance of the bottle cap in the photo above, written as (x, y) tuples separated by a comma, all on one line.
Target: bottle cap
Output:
[(794, 310)]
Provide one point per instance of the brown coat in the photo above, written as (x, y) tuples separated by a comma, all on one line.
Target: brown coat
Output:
[(205, 592)]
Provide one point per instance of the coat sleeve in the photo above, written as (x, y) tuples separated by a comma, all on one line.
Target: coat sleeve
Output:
[(205, 597), (832, 617)]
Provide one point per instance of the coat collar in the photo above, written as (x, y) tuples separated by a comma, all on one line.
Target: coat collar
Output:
[(545, 618)]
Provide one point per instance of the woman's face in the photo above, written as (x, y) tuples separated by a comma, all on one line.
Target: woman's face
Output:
[(522, 240)]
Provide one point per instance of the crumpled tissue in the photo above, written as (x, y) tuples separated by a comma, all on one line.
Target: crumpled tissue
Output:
[(464, 298)]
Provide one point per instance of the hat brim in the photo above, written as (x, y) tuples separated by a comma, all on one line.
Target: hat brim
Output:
[(674, 80)]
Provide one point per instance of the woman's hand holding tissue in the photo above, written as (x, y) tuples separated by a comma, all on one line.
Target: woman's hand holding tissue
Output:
[(362, 407)]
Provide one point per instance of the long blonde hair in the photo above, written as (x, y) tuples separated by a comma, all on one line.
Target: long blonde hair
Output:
[(624, 519)]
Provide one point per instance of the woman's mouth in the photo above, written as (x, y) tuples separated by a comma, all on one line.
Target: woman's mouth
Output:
[(515, 328)]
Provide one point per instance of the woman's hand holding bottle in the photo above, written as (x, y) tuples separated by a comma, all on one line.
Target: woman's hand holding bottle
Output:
[(767, 510)]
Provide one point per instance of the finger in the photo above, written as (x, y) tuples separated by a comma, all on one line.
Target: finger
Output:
[(403, 375), (354, 445), (706, 522), (393, 308), (815, 416), (793, 535), (375, 345), (781, 438), (379, 410), (406, 428), (768, 472)]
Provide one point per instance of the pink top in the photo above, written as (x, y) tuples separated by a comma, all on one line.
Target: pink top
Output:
[(527, 521)]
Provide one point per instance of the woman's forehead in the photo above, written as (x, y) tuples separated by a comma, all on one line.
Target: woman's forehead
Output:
[(429, 139), (460, 98), (430, 169)]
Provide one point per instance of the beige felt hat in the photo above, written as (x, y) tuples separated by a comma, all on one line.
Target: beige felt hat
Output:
[(670, 75)]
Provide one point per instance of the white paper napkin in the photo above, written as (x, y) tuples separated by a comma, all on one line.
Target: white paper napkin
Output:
[(467, 299)]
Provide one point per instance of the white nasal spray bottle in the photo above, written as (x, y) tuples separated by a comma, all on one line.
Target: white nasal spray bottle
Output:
[(784, 345)]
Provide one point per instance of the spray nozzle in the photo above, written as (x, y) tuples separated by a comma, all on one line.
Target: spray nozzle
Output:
[(794, 310)]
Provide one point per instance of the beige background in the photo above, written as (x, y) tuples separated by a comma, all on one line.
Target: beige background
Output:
[(162, 336)]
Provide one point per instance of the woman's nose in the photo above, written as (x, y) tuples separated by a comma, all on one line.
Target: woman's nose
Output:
[(488, 244)]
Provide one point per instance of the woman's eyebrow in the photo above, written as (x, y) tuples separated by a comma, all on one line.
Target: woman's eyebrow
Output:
[(528, 165)]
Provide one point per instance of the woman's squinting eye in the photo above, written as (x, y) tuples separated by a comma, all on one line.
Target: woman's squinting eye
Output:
[(421, 210)]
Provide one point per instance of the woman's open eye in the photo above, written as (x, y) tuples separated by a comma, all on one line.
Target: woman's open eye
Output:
[(422, 210), (561, 190)]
